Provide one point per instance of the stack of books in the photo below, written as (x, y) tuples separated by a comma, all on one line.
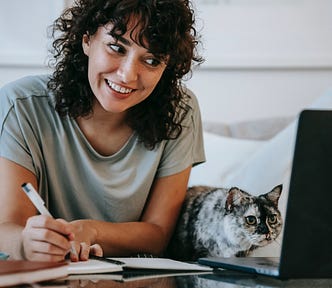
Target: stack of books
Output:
[(14, 272)]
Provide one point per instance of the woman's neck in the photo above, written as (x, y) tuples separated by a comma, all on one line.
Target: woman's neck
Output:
[(105, 131)]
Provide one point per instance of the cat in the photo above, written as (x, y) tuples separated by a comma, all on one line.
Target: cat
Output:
[(224, 222)]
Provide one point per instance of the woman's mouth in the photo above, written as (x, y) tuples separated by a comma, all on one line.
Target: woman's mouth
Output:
[(117, 88)]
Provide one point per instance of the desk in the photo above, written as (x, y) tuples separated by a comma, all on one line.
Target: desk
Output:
[(217, 279)]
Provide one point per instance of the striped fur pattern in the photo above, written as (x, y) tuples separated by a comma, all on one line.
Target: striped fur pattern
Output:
[(225, 222)]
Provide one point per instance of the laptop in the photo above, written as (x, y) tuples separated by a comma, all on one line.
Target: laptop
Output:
[(306, 250)]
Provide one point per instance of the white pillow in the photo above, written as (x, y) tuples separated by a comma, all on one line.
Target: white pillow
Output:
[(271, 164), (254, 166), (224, 155)]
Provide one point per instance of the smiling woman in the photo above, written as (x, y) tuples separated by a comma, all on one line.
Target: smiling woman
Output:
[(108, 139), (121, 72)]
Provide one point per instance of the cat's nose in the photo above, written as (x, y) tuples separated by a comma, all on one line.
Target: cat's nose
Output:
[(268, 236), (263, 229)]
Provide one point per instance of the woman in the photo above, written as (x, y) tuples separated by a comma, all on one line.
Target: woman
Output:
[(108, 140)]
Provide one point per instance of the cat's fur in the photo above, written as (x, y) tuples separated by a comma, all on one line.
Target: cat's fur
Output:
[(221, 222)]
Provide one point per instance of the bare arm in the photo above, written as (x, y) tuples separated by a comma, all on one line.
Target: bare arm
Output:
[(152, 233), (24, 235)]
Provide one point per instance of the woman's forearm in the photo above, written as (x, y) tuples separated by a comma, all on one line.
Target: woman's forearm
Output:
[(121, 239), (11, 240)]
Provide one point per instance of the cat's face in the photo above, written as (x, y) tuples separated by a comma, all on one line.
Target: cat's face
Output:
[(257, 219)]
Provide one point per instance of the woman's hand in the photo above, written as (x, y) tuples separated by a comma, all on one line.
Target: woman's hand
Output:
[(46, 239), (85, 250), (85, 245)]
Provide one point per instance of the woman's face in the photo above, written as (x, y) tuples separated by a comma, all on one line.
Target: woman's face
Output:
[(121, 73)]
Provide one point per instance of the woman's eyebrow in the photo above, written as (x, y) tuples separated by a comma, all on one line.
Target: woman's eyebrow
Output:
[(122, 40), (126, 42)]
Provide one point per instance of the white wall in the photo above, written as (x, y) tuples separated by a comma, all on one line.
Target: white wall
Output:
[(264, 57), (238, 95), (23, 36)]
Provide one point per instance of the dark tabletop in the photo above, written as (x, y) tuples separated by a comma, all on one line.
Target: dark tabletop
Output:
[(216, 279)]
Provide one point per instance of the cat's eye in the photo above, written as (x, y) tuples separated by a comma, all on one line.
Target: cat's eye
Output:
[(251, 220), (272, 219)]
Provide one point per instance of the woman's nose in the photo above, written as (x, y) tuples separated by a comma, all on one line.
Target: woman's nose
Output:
[(128, 70)]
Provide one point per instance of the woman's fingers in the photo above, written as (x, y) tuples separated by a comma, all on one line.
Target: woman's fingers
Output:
[(96, 250), (45, 239), (85, 250)]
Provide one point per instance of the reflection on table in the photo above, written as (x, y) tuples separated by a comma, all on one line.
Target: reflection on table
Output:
[(216, 279)]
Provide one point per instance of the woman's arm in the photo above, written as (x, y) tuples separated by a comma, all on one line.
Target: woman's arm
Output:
[(152, 233), (24, 235)]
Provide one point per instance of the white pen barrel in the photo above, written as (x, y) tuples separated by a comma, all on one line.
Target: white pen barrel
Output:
[(35, 199)]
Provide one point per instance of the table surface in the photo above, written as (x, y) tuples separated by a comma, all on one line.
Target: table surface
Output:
[(216, 279)]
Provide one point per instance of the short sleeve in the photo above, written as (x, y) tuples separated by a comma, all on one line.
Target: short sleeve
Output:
[(16, 133), (12, 144), (188, 149)]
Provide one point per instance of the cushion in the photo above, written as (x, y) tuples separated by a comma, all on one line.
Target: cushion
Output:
[(257, 129), (252, 165), (224, 155)]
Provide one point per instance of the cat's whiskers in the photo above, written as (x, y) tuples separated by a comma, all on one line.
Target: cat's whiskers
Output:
[(278, 241), (225, 222)]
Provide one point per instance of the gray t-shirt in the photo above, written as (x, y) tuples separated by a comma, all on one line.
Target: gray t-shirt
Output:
[(75, 181)]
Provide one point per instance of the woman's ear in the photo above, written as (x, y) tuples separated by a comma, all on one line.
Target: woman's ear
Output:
[(86, 44)]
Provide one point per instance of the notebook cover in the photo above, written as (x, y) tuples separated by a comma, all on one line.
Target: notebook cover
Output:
[(16, 266)]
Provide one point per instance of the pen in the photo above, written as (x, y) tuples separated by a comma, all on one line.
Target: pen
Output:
[(110, 260), (39, 203)]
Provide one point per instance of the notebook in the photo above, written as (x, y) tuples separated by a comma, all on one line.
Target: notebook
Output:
[(16, 272), (137, 275), (96, 265), (306, 250), (156, 263)]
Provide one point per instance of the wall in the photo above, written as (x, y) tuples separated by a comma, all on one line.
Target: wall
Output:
[(24, 36), (227, 95), (263, 57)]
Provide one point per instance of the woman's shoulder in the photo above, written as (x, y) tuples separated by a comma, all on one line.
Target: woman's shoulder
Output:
[(190, 98), (25, 87)]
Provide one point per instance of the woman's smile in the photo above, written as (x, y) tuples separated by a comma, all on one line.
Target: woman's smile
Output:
[(118, 88), (121, 72)]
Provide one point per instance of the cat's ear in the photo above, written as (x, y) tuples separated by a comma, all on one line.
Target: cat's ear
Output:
[(274, 194), (234, 198)]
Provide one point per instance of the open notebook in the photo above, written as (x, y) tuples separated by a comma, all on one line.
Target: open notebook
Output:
[(15, 272), (306, 246), (93, 266), (107, 265)]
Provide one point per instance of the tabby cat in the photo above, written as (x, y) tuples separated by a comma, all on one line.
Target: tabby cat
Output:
[(225, 222)]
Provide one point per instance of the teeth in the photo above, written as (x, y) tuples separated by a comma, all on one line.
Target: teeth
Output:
[(118, 88)]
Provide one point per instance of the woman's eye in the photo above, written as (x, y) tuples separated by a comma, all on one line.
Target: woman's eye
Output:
[(272, 219), (152, 62), (116, 48), (251, 220)]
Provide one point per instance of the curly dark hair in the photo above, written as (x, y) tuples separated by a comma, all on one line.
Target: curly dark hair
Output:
[(168, 28)]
